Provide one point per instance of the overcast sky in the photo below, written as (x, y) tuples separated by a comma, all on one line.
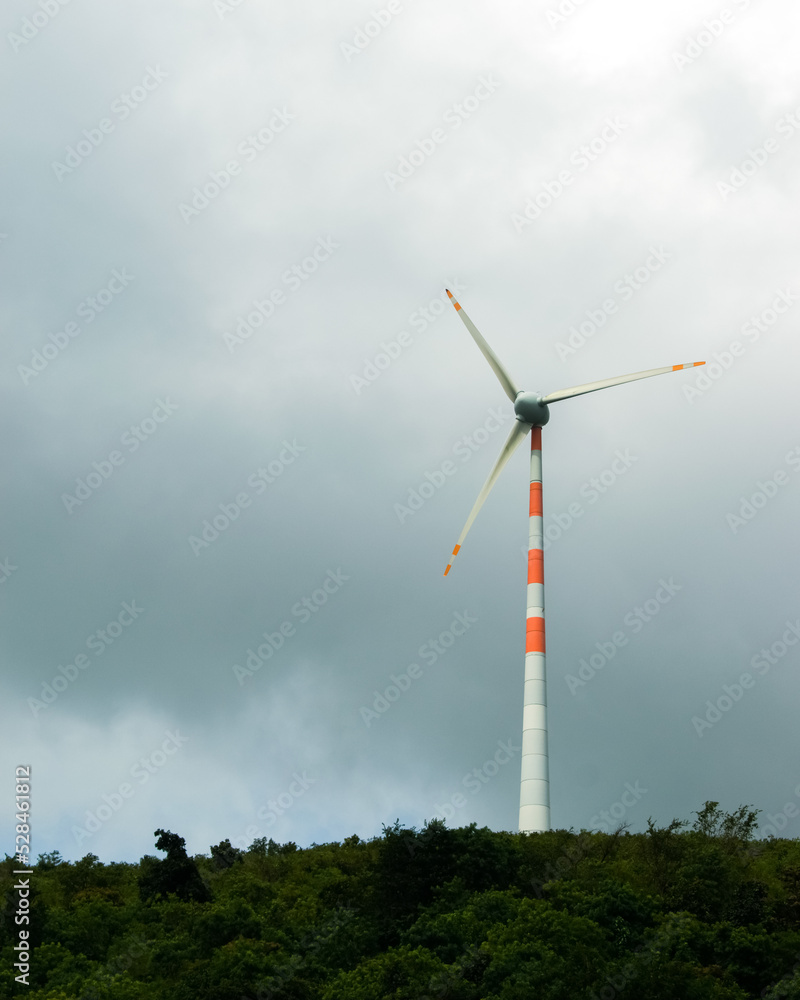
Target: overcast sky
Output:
[(232, 387)]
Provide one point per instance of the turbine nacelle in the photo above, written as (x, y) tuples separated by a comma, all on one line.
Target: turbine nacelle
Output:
[(532, 412), (530, 409)]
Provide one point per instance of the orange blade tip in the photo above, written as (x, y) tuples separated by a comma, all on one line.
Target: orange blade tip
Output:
[(456, 550)]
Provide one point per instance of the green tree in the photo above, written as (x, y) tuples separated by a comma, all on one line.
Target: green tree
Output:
[(177, 873), (223, 855), (738, 826)]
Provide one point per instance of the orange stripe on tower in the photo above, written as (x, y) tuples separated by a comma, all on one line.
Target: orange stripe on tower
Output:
[(534, 639), (535, 566), (536, 439), (535, 508)]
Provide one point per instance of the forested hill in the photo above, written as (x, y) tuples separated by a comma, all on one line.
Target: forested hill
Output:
[(682, 912)]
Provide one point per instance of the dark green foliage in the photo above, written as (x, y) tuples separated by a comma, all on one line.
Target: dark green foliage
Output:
[(675, 913), (737, 826), (50, 860), (223, 855), (177, 874), (411, 865)]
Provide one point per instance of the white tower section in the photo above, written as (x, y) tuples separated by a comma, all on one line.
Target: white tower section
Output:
[(534, 789)]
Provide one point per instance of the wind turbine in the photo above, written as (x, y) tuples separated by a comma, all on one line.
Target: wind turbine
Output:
[(532, 413)]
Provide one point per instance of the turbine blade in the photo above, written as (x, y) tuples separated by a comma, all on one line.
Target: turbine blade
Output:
[(579, 390), (518, 432), (505, 379)]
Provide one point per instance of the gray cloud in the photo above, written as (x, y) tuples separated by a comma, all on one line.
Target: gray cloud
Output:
[(367, 308)]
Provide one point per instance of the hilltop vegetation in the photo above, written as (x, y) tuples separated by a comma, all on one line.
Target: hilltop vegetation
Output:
[(675, 913)]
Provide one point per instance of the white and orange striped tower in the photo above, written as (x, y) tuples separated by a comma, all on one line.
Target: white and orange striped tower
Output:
[(532, 413), (534, 789)]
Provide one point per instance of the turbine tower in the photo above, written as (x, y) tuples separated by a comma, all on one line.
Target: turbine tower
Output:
[(532, 413)]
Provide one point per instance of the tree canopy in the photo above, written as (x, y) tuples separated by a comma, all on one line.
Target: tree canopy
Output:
[(699, 911)]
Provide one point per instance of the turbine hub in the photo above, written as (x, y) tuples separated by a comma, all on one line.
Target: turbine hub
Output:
[(529, 407)]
